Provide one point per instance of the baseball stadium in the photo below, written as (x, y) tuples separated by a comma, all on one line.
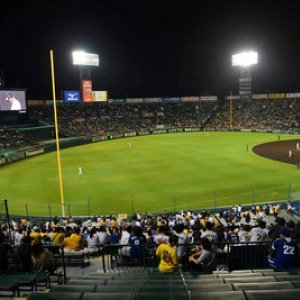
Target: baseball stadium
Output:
[(150, 154), (212, 180)]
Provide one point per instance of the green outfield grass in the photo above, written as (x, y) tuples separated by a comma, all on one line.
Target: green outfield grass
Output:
[(159, 172)]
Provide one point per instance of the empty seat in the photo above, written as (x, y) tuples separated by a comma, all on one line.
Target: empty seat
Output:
[(86, 282), (108, 296), (266, 273), (102, 276), (287, 277), (262, 286), (116, 288), (235, 274), (162, 289), (220, 295), (290, 294), (209, 287), (9, 285), (54, 296), (125, 282), (25, 280), (74, 288), (198, 276), (204, 281), (162, 295), (250, 279), (296, 284)]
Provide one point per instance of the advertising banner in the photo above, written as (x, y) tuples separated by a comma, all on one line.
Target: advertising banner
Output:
[(72, 96), (233, 97), (117, 101), (134, 100), (259, 96), (292, 95), (208, 98), (276, 96), (87, 91), (35, 102), (152, 99), (58, 102), (171, 98), (100, 96), (190, 98)]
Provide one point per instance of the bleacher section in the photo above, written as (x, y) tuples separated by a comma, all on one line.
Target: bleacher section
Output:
[(251, 284)]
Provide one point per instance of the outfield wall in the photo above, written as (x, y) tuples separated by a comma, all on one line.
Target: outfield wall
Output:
[(13, 156), (45, 147)]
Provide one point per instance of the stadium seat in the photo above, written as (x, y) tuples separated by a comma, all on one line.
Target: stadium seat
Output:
[(73, 288), (220, 295), (296, 284), (199, 287), (262, 286), (250, 279), (116, 289), (162, 295), (290, 294), (236, 274), (8, 285), (54, 296), (86, 282), (287, 277), (108, 296)]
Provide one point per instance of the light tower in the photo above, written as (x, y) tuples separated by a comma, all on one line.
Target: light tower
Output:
[(85, 61), (245, 60)]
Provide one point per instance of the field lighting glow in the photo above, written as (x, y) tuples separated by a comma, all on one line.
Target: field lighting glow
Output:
[(85, 59), (244, 59)]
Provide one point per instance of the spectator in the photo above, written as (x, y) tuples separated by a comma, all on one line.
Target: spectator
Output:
[(35, 235), (75, 241), (113, 238), (284, 251), (209, 233), (161, 237), (243, 232), (58, 236), (93, 239), (232, 235), (5, 249), (257, 233), (183, 241), (103, 236), (42, 259), (24, 252), (169, 262), (274, 232), (125, 240), (137, 239), (18, 237), (203, 258)]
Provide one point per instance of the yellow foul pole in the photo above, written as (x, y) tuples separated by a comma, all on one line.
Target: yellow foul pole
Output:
[(57, 137), (230, 108)]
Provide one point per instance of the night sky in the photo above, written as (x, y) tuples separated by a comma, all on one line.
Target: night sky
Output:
[(150, 48)]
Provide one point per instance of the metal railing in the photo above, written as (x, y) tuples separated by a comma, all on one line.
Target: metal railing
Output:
[(228, 256)]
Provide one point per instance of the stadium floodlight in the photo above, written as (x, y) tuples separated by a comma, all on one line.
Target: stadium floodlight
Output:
[(85, 59), (244, 59)]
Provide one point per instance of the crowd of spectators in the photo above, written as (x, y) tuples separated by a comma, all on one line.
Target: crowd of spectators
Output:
[(263, 114), (199, 236), (97, 119), (11, 139)]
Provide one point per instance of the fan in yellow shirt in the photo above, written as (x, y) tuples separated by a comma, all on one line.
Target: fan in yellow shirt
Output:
[(75, 241), (169, 261)]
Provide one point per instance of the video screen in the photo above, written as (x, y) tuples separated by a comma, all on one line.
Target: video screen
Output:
[(12, 100)]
